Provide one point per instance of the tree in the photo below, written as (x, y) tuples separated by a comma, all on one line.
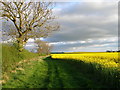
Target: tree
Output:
[(30, 19), (43, 47)]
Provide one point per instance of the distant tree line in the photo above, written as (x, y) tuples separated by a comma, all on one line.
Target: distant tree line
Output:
[(57, 52), (112, 51)]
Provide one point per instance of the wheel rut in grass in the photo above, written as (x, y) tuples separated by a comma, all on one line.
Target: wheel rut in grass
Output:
[(64, 75), (53, 80)]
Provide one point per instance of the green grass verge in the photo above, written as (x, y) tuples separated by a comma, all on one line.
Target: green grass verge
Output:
[(50, 73), (10, 56)]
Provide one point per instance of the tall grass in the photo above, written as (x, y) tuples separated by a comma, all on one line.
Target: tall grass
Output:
[(11, 55)]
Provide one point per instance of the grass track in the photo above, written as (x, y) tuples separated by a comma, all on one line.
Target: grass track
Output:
[(48, 73)]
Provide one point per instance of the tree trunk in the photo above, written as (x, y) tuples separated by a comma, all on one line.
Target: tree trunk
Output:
[(21, 44)]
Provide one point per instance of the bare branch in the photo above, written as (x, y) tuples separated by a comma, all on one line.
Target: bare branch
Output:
[(31, 19)]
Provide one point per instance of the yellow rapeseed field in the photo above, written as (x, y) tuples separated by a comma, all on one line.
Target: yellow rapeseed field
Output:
[(107, 60)]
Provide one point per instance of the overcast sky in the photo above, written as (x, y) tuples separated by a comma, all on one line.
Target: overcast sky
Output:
[(85, 26)]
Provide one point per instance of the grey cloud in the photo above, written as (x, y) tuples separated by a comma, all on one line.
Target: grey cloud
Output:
[(80, 47), (77, 23), (90, 8)]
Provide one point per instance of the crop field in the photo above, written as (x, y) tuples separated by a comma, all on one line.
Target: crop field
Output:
[(106, 66), (107, 60)]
